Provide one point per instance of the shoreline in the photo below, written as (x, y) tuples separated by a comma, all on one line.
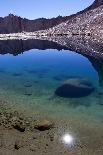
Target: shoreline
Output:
[(28, 139), (42, 34)]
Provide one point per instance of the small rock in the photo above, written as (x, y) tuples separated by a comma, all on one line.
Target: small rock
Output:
[(34, 137), (18, 123), (47, 144), (28, 94), (19, 126), (44, 125), (32, 148), (18, 145), (51, 138)]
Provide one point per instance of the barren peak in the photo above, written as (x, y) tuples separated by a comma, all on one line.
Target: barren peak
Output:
[(97, 3)]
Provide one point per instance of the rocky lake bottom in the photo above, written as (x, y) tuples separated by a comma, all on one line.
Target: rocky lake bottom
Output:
[(36, 118)]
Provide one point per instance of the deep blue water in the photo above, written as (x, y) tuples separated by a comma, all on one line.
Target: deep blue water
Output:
[(31, 78)]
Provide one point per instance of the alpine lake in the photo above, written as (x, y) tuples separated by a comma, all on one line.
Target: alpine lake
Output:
[(56, 84)]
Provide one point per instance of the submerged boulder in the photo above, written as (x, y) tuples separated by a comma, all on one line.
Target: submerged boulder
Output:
[(75, 88)]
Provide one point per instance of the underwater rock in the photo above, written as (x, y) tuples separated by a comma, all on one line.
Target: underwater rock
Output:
[(28, 94), (17, 74), (28, 85), (101, 104), (75, 88), (44, 125)]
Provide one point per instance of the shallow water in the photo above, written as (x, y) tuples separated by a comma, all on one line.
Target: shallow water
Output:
[(30, 80)]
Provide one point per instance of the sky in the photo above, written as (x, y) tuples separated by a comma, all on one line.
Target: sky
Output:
[(33, 9)]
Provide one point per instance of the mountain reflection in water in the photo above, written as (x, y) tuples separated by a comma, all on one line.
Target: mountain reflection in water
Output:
[(90, 48)]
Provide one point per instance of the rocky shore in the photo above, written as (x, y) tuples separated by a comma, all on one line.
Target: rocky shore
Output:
[(23, 36), (23, 134)]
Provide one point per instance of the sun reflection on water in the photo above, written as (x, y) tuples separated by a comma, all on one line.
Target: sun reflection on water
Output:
[(68, 139)]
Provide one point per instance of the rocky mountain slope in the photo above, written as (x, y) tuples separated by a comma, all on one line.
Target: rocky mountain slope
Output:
[(96, 3), (87, 20)]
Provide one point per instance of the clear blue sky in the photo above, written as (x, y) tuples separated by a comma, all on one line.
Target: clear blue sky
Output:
[(42, 8)]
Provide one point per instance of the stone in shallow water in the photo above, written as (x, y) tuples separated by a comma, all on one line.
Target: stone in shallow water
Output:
[(28, 85), (44, 125), (28, 94), (75, 88), (17, 74)]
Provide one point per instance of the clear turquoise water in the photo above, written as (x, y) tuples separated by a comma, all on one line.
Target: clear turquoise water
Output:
[(29, 81)]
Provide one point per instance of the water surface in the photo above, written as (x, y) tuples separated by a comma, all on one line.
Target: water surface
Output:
[(30, 80)]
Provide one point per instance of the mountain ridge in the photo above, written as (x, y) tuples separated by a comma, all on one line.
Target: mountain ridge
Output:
[(86, 22), (16, 24)]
